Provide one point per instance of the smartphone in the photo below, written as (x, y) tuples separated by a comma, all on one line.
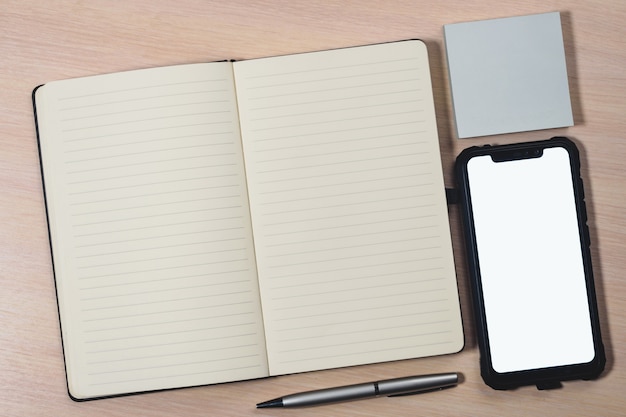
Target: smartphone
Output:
[(529, 258)]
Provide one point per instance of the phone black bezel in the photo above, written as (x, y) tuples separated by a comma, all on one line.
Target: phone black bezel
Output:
[(543, 377)]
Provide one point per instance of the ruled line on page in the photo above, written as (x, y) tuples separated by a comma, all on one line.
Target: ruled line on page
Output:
[(319, 112), (158, 171), (162, 290), (160, 258), (383, 317), (343, 163), (377, 308), (319, 90), (176, 365), (163, 269), (330, 153), (143, 108), (149, 248), (352, 246), (300, 282), (136, 121), (151, 140), (147, 184), (346, 183), (145, 130), (321, 101), (410, 335), (356, 203), (326, 275), (169, 377), (408, 345), (185, 310), (351, 215), (335, 78), (337, 141), (143, 206), (127, 154), (281, 72), (112, 168), (147, 216), (337, 194), (363, 288), (139, 196), (144, 280), (161, 333), (183, 353), (124, 90), (301, 125), (194, 222), (338, 259), (334, 132)]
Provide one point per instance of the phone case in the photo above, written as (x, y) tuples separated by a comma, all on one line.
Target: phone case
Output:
[(543, 378)]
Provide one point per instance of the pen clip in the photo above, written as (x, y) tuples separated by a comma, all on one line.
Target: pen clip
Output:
[(404, 394)]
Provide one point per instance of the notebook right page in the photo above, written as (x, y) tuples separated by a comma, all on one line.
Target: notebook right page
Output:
[(348, 207)]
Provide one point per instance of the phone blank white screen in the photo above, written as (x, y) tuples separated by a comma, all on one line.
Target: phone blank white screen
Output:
[(529, 252)]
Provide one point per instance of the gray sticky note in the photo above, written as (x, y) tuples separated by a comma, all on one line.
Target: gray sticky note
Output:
[(508, 75)]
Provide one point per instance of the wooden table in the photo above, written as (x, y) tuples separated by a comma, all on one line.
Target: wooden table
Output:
[(49, 40)]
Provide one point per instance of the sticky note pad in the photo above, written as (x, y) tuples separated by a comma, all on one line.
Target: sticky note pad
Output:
[(508, 75)]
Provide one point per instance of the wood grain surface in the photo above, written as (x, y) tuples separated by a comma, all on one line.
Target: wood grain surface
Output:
[(45, 41)]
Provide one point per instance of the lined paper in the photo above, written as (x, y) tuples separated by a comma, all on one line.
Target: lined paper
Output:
[(348, 207), (220, 222), (150, 230)]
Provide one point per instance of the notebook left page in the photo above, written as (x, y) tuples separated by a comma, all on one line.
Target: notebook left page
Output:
[(150, 230)]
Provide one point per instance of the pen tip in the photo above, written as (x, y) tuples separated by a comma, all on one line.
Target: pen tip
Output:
[(278, 402)]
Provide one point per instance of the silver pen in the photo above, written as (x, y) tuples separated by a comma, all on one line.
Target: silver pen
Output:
[(390, 387)]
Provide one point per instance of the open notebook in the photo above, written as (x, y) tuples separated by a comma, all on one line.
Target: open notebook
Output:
[(227, 221)]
